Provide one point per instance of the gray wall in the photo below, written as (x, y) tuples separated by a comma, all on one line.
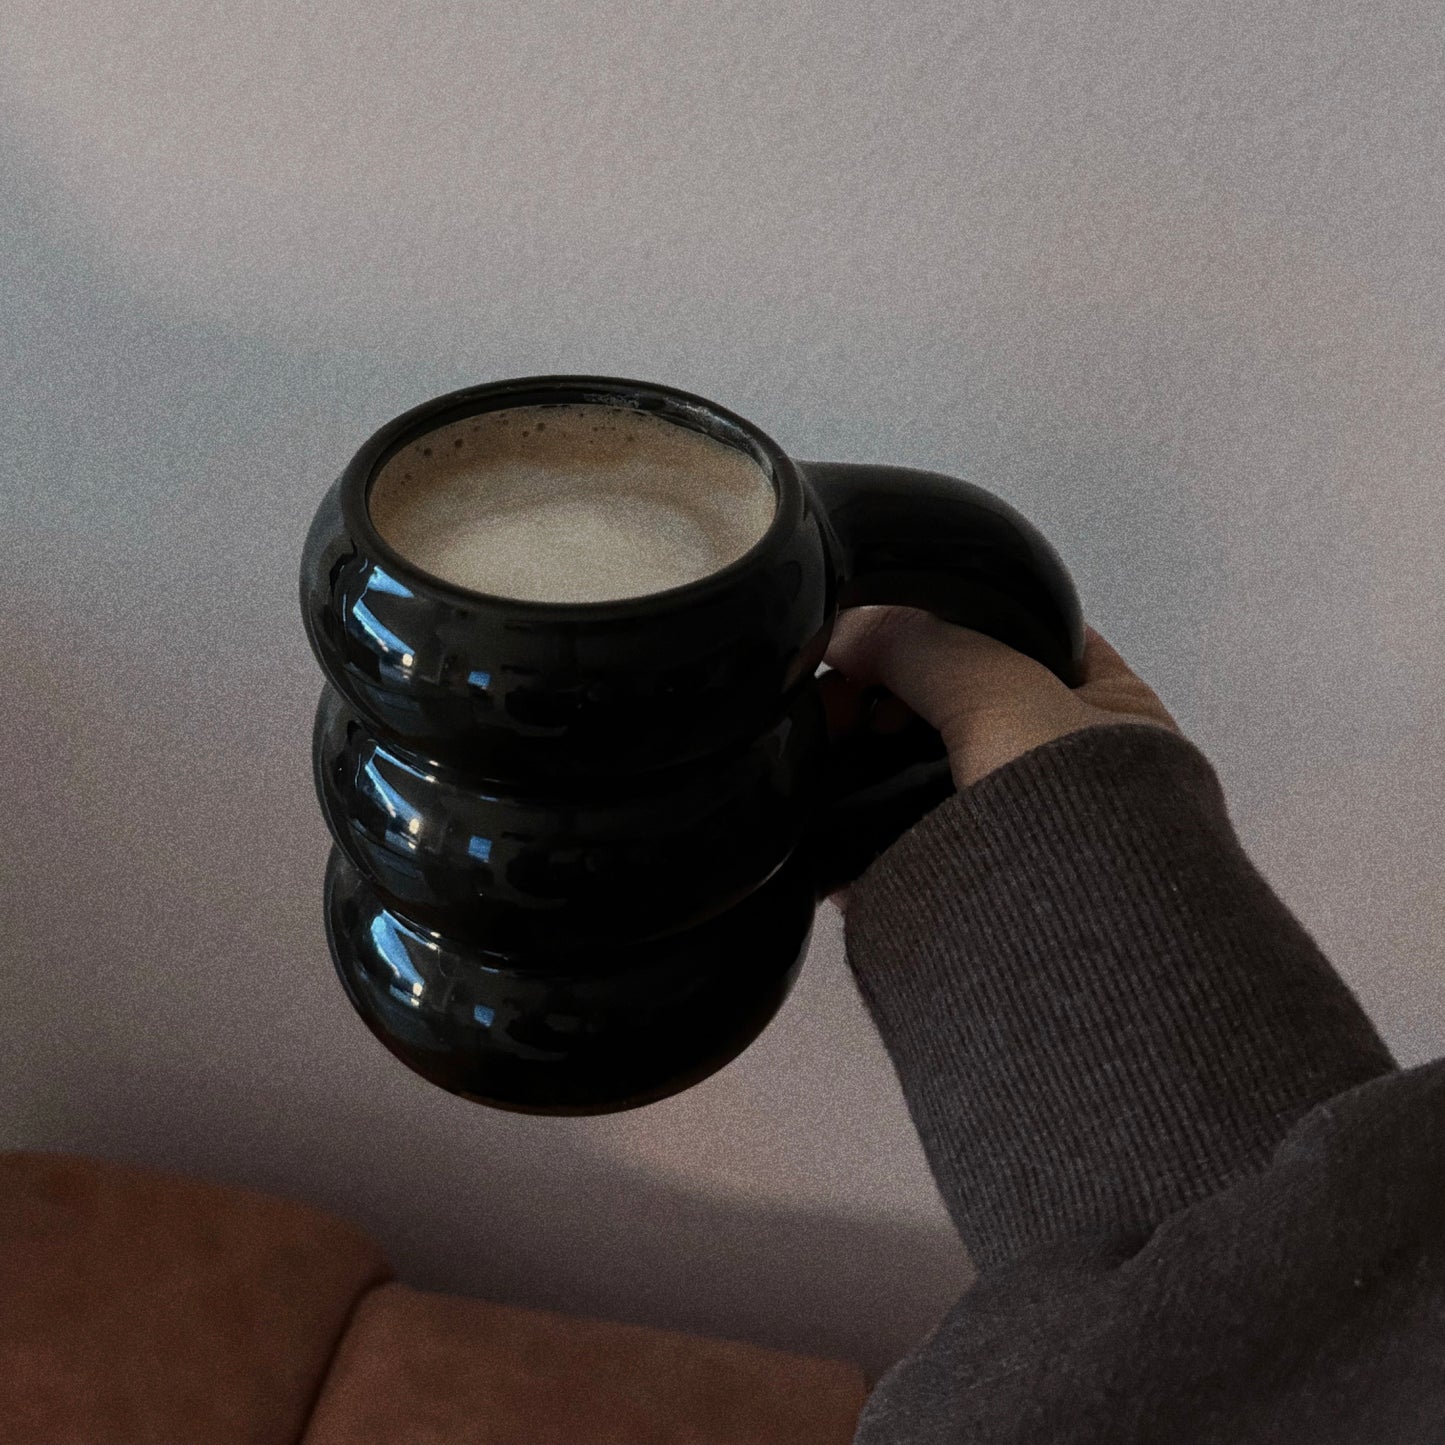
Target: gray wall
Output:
[(1167, 277)]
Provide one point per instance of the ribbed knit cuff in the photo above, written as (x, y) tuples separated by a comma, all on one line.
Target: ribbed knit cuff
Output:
[(1098, 1009)]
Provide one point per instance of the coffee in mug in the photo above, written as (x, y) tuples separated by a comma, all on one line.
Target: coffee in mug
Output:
[(570, 503)]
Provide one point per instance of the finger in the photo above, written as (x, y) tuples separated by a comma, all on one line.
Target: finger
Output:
[(939, 670)]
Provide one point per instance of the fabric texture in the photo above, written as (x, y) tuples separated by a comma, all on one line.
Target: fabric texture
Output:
[(142, 1307), (1204, 1202), (139, 1305), (435, 1369)]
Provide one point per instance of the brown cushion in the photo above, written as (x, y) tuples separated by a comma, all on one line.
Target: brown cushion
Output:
[(141, 1306), (417, 1368)]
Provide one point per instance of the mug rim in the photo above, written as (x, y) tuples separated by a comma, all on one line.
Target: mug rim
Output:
[(670, 403)]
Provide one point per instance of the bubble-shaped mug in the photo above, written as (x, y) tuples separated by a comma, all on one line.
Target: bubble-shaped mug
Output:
[(579, 846)]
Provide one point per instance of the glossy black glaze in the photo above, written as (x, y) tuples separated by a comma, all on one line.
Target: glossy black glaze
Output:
[(579, 844), (596, 1032), (539, 867)]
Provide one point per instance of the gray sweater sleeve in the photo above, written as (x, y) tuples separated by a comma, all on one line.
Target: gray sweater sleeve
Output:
[(1204, 1203)]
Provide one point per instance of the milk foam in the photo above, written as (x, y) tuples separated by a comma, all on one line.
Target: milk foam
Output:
[(576, 502)]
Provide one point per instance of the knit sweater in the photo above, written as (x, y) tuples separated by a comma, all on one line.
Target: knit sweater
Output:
[(1204, 1202)]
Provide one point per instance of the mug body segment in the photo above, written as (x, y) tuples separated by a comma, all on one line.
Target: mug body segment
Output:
[(539, 864), (593, 1031), (513, 689)]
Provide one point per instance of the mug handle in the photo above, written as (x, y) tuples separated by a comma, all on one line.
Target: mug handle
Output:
[(910, 538)]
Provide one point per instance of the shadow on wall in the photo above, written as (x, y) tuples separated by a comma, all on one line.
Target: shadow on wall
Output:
[(171, 999), (862, 1290), (184, 1015)]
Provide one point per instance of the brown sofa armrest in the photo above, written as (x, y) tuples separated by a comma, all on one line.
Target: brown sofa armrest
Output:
[(140, 1306), (418, 1368)]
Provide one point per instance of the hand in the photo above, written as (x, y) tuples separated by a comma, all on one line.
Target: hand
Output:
[(989, 703)]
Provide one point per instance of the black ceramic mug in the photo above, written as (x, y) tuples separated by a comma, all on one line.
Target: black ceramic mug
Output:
[(579, 846)]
